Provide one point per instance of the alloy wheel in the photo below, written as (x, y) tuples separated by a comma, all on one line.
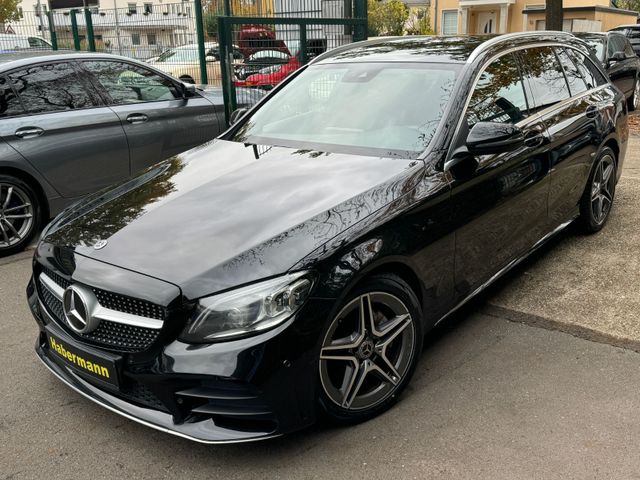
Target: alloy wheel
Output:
[(16, 215), (602, 189), (367, 351)]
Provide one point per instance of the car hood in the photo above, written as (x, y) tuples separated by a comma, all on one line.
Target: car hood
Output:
[(225, 213)]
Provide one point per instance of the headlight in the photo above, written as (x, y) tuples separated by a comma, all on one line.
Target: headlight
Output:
[(247, 310)]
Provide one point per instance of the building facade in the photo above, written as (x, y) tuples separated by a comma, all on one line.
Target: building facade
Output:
[(451, 17)]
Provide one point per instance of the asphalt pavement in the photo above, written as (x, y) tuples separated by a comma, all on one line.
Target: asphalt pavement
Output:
[(491, 399)]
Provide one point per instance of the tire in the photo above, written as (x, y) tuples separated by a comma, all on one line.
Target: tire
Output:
[(383, 353), (20, 215), (187, 79), (598, 196), (634, 100)]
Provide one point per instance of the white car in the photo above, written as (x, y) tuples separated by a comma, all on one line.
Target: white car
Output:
[(23, 42)]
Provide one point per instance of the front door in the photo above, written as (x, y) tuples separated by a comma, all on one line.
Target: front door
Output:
[(501, 209), (486, 23)]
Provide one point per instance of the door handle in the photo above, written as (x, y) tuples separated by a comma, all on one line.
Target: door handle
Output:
[(137, 118), (592, 111), (533, 138), (29, 132)]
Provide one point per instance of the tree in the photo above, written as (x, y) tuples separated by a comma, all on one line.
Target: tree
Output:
[(387, 18), (8, 12), (419, 23), (553, 15)]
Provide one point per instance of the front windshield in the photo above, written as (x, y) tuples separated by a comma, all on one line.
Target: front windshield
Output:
[(389, 108), (182, 55)]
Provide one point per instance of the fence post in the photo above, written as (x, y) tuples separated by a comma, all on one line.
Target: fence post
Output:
[(91, 41), (200, 38), (227, 85), (52, 31), (304, 57), (360, 11), (74, 29)]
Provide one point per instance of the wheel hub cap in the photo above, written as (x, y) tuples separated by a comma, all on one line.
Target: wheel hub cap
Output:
[(366, 349)]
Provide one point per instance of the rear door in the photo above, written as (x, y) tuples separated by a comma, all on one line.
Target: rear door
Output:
[(158, 122), (63, 130), (502, 207), (569, 105)]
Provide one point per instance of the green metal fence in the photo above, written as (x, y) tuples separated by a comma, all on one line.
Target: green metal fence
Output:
[(228, 43), (259, 52)]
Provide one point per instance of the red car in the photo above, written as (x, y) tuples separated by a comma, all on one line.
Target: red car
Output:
[(270, 76), (253, 38)]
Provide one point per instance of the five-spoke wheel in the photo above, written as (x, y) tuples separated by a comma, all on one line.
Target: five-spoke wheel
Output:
[(598, 197), (369, 349), (18, 215)]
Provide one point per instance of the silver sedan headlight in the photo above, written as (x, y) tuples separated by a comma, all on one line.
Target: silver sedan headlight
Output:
[(247, 310)]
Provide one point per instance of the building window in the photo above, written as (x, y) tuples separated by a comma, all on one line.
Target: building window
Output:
[(450, 22), (188, 11), (133, 8), (151, 39), (135, 38), (148, 8)]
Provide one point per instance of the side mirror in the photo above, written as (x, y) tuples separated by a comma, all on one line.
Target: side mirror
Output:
[(487, 138), (617, 57), (237, 115), (461, 164), (187, 90)]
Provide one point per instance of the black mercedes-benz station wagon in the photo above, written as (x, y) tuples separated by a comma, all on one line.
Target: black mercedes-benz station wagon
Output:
[(291, 268)]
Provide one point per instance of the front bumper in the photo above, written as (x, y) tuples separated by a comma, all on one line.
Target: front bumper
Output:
[(245, 390)]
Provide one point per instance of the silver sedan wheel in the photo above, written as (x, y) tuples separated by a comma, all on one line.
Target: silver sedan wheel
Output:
[(367, 351), (602, 189), (16, 215)]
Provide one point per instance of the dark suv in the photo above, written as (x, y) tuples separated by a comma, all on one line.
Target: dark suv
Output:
[(632, 32), (292, 267)]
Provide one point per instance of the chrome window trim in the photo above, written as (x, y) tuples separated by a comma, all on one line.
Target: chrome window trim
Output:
[(103, 313), (526, 120)]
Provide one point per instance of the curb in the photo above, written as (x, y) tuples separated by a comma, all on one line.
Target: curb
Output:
[(578, 331)]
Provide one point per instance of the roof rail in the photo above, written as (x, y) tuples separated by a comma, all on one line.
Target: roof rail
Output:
[(515, 35)]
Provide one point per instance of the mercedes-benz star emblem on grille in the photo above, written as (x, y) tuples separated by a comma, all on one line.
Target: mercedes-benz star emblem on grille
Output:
[(78, 304)]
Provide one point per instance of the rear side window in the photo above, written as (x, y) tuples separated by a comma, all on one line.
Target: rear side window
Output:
[(544, 78), (577, 83), (589, 71), (499, 94), (50, 88), (9, 104), (127, 84)]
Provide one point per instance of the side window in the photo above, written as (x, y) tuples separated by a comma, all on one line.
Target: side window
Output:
[(128, 83), (9, 104), (35, 42), (577, 84), (615, 44), (544, 78), (499, 94), (589, 71), (628, 49), (50, 88)]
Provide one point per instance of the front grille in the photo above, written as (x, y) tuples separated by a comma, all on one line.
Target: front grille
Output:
[(112, 335)]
